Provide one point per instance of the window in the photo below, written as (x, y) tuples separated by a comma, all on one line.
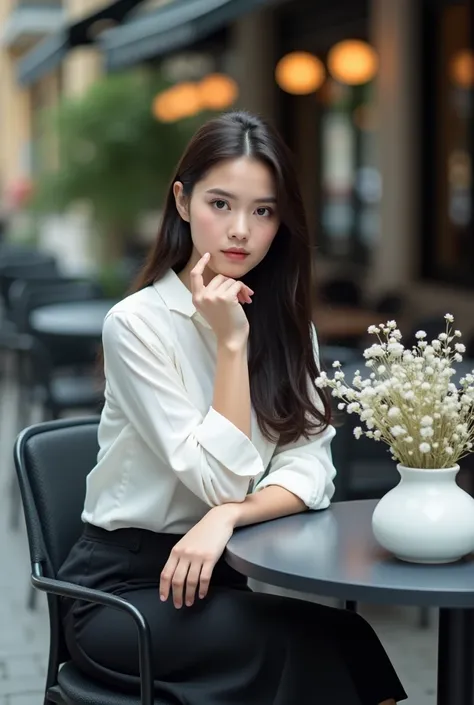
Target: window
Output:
[(350, 184), (448, 248)]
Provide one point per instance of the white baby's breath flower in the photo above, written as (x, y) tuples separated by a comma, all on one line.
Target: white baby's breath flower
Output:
[(449, 317), (397, 431), (448, 450), (320, 382), (372, 330), (443, 336), (460, 348), (353, 407), (357, 432), (408, 439), (424, 447), (426, 421), (420, 334), (410, 395), (457, 357), (457, 334), (341, 406), (393, 412), (426, 432), (395, 349), (336, 363)]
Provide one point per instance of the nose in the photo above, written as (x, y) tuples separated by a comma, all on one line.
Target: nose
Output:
[(239, 227)]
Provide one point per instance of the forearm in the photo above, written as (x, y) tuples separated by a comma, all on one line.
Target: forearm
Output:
[(270, 503), (231, 386)]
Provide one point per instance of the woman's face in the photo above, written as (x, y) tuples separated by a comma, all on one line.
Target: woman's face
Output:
[(232, 214)]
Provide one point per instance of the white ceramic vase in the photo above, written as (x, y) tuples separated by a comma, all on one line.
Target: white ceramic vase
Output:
[(426, 518)]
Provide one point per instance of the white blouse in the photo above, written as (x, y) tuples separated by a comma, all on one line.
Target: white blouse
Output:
[(166, 456)]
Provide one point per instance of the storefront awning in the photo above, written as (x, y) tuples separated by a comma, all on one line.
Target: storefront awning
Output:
[(48, 54), (176, 25)]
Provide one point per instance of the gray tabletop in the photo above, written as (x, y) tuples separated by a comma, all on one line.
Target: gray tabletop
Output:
[(75, 318), (334, 553)]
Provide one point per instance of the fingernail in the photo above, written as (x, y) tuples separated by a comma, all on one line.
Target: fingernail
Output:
[(162, 598), (189, 603)]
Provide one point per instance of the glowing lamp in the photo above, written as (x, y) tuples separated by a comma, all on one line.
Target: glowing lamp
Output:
[(300, 73), (218, 91), (352, 62)]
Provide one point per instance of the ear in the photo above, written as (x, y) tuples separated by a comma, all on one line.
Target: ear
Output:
[(182, 203)]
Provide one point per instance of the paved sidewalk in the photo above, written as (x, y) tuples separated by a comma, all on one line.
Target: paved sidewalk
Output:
[(24, 635)]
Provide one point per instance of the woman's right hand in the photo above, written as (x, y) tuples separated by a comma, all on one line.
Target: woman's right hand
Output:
[(220, 303)]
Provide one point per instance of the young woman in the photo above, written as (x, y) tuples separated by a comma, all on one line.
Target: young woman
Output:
[(211, 422)]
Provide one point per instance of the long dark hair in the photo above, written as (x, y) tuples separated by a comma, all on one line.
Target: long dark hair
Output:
[(282, 366)]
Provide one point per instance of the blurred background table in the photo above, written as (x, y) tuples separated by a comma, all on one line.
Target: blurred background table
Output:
[(74, 319)]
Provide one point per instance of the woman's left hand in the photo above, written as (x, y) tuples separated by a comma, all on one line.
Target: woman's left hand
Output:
[(193, 558)]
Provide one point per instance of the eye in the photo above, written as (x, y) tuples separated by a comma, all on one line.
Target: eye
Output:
[(219, 204), (264, 211)]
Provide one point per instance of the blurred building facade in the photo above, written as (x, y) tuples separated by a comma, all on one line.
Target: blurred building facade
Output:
[(386, 165)]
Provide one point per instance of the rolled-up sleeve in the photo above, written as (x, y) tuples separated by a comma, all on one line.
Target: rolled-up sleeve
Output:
[(305, 467), (209, 454)]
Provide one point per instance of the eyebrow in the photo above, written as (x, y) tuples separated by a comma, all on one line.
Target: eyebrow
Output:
[(226, 194)]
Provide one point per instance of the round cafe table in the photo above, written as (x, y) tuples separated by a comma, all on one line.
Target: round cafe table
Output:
[(333, 553), (74, 319)]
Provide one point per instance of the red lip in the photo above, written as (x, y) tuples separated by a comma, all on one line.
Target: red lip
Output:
[(236, 251)]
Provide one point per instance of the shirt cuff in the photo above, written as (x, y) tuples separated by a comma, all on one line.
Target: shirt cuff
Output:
[(315, 492), (226, 443)]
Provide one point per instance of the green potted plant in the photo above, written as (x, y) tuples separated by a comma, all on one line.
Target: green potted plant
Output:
[(112, 154)]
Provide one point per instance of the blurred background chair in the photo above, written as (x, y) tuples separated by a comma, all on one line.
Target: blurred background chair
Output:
[(389, 304), (341, 291), (55, 375)]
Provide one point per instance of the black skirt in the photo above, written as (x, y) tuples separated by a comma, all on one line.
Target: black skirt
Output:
[(235, 647)]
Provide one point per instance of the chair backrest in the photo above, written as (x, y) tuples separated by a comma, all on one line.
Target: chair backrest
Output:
[(341, 291), (36, 266), (52, 460)]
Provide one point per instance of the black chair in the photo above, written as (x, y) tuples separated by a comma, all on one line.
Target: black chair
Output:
[(52, 460), (432, 325), (341, 291), (332, 353), (389, 304), (36, 265)]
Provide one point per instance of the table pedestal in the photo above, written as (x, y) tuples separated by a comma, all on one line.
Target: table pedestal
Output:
[(455, 657)]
